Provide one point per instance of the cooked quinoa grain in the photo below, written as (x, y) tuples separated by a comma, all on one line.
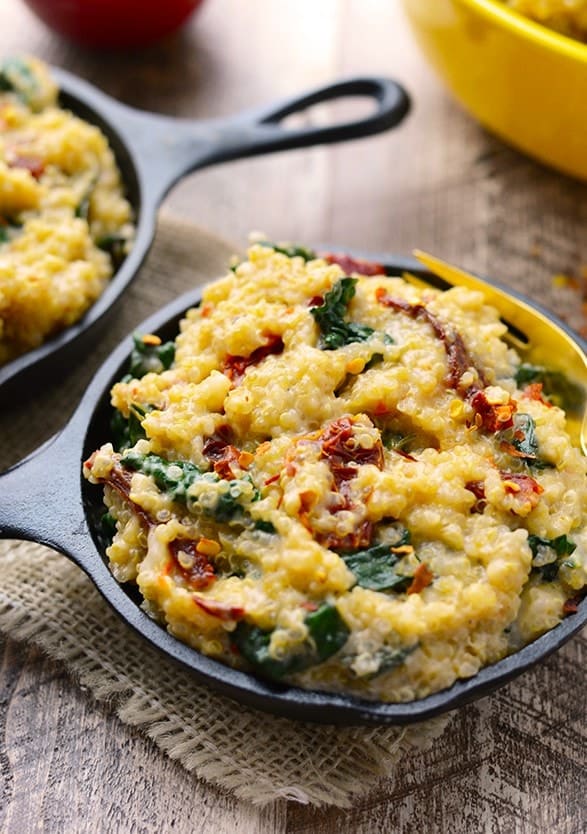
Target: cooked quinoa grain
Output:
[(335, 480), (64, 222), (569, 17)]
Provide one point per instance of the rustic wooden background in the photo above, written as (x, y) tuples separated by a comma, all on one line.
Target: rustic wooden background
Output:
[(513, 764)]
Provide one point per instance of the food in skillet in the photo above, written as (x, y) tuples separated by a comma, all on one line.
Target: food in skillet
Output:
[(569, 17), (337, 479), (64, 222)]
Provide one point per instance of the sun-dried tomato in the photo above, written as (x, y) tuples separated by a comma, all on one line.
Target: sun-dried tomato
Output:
[(200, 574), (571, 606), (360, 538), (235, 366), (221, 610), (340, 448), (459, 359), (478, 490), (33, 164), (222, 453), (348, 264)]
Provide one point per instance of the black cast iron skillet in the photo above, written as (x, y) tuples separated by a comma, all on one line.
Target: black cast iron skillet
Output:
[(154, 152), (46, 499)]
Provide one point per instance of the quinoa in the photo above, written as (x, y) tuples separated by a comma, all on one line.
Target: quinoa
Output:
[(569, 17), (64, 221), (343, 481)]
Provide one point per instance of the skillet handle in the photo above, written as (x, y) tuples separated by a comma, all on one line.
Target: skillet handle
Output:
[(261, 130), (168, 149), (41, 502)]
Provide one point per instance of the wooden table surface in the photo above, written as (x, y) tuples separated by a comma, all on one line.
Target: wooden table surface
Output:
[(514, 763)]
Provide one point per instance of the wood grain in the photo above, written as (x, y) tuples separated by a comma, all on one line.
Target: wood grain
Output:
[(515, 762)]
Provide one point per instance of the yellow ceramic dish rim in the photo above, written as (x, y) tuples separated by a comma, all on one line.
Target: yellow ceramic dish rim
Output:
[(529, 29)]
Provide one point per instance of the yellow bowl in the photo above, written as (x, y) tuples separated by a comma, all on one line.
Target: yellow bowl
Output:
[(521, 80)]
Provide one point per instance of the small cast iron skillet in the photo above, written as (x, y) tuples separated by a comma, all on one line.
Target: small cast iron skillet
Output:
[(46, 499), (154, 152)]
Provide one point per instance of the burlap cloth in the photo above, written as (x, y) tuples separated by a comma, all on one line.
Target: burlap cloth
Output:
[(47, 600)]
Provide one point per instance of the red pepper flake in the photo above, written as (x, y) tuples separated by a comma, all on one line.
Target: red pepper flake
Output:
[(478, 490), (33, 164), (533, 391), (200, 574), (492, 417), (225, 457), (523, 486), (423, 577), (235, 366), (206, 309), (221, 610), (380, 409), (340, 448), (309, 606), (273, 479), (348, 264)]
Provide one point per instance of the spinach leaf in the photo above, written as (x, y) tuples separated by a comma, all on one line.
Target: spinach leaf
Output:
[(126, 432), (115, 246), (336, 332), (374, 567), (264, 526), (150, 358), (291, 250), (327, 630), (108, 527), (83, 207), (173, 477), (17, 77), (327, 633), (176, 477), (522, 443), (556, 386), (389, 659), (561, 545), (397, 441)]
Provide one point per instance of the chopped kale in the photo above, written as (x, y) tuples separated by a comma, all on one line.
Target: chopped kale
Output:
[(327, 634), (522, 443), (176, 477), (374, 567), (264, 526), (173, 477), (108, 527), (126, 432), (376, 359), (336, 332), (228, 504), (83, 207), (561, 546), (389, 659), (150, 358), (397, 441), (16, 77), (115, 246), (291, 250), (556, 386)]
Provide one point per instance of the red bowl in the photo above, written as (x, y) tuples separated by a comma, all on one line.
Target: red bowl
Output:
[(114, 24)]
